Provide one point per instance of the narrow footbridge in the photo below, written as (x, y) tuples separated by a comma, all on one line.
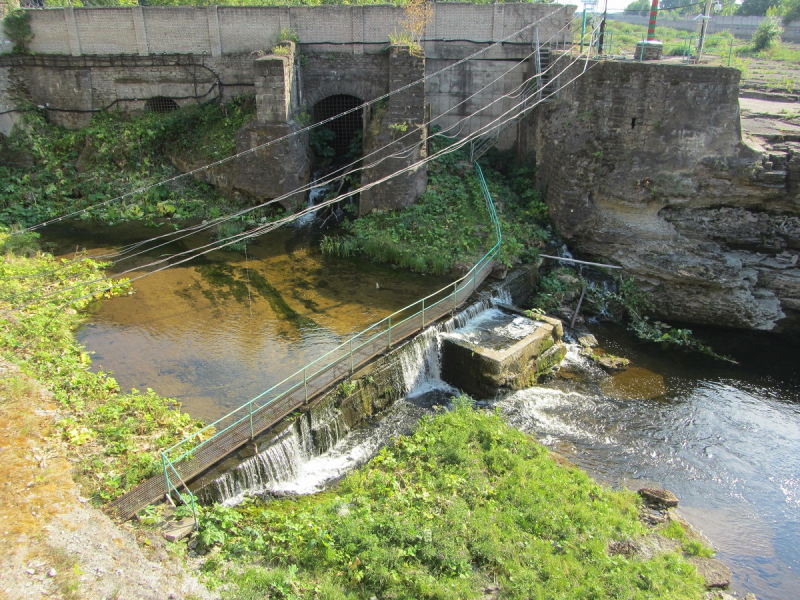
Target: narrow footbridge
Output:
[(206, 447)]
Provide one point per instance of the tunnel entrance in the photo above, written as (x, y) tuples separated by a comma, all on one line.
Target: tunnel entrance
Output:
[(336, 147), (339, 139)]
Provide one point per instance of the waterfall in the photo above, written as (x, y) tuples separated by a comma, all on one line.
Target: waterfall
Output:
[(327, 426), (314, 194), (279, 460), (319, 447)]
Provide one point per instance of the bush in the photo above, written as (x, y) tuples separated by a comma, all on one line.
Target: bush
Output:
[(767, 34), (17, 26)]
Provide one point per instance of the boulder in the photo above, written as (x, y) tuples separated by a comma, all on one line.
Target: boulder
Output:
[(658, 496), (714, 573)]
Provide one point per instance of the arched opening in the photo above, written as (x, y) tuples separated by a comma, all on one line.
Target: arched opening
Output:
[(339, 139), (335, 145), (160, 104)]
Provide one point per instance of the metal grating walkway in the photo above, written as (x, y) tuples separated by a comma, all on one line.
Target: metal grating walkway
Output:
[(284, 403)]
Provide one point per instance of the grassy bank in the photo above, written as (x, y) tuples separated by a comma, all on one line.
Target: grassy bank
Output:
[(450, 223), (49, 171), (113, 437), (464, 507)]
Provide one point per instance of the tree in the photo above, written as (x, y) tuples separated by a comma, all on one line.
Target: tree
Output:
[(788, 10), (681, 7), (756, 8), (640, 6)]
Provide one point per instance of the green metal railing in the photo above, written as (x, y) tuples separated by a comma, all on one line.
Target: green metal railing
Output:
[(227, 433), (713, 45)]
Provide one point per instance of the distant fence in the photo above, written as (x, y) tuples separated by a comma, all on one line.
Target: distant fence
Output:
[(740, 27), (227, 30)]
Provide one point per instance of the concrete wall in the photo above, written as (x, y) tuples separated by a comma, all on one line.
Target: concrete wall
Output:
[(741, 27), (90, 83), (218, 31), (643, 166)]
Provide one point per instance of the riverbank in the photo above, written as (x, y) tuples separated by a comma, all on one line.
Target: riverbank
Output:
[(55, 544), (466, 507)]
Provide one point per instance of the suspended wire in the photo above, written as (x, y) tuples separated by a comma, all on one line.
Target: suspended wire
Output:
[(146, 188), (196, 252), (127, 252)]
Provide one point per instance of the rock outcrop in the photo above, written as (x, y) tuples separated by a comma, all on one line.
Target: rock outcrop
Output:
[(644, 166)]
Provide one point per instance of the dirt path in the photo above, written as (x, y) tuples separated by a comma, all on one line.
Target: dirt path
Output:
[(55, 545)]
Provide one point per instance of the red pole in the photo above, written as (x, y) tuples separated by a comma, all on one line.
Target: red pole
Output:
[(651, 28)]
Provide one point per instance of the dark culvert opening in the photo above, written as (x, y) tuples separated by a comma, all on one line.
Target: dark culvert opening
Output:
[(160, 104), (339, 139), (335, 146)]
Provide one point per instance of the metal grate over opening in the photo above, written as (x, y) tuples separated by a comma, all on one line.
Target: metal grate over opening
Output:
[(344, 128), (160, 104)]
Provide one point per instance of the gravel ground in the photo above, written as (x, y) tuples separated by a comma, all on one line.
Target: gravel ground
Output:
[(55, 544)]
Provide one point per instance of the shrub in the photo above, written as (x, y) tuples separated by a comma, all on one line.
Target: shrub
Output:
[(767, 34), (17, 26)]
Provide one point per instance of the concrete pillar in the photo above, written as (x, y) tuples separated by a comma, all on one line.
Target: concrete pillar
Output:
[(274, 80), (213, 31), (72, 32), (497, 22), (139, 28), (357, 28), (399, 125)]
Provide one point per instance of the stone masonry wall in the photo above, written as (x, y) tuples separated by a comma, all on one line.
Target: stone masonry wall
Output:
[(394, 127), (125, 83), (643, 166), (7, 119)]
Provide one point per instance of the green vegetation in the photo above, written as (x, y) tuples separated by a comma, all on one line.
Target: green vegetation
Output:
[(95, 3), (789, 11), (113, 437), (756, 8), (17, 27), (628, 304), (625, 36), (450, 223), (48, 171), (463, 504), (767, 34)]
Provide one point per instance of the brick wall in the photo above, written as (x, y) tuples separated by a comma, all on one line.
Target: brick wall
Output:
[(233, 30)]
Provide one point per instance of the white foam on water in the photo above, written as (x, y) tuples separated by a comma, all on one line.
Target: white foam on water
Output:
[(319, 448), (541, 410)]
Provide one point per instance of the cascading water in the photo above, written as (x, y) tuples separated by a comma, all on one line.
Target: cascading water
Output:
[(314, 195), (319, 448)]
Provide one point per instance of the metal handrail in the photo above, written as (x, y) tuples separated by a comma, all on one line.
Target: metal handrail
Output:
[(352, 346)]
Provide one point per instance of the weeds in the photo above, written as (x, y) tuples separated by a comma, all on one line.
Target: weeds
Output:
[(114, 155), (767, 34), (17, 27), (466, 499), (114, 437), (450, 223)]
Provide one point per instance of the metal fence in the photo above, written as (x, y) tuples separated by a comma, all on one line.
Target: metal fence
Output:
[(202, 449)]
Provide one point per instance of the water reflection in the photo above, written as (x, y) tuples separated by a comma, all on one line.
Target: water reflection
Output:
[(216, 332)]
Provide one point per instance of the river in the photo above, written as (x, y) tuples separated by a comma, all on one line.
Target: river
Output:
[(724, 438)]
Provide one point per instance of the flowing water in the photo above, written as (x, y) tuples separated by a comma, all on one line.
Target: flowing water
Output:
[(318, 449), (725, 439)]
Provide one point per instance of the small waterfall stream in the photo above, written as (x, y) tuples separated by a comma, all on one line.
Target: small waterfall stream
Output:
[(318, 448)]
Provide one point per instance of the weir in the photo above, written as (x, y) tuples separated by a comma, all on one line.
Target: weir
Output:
[(290, 459), (205, 448)]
